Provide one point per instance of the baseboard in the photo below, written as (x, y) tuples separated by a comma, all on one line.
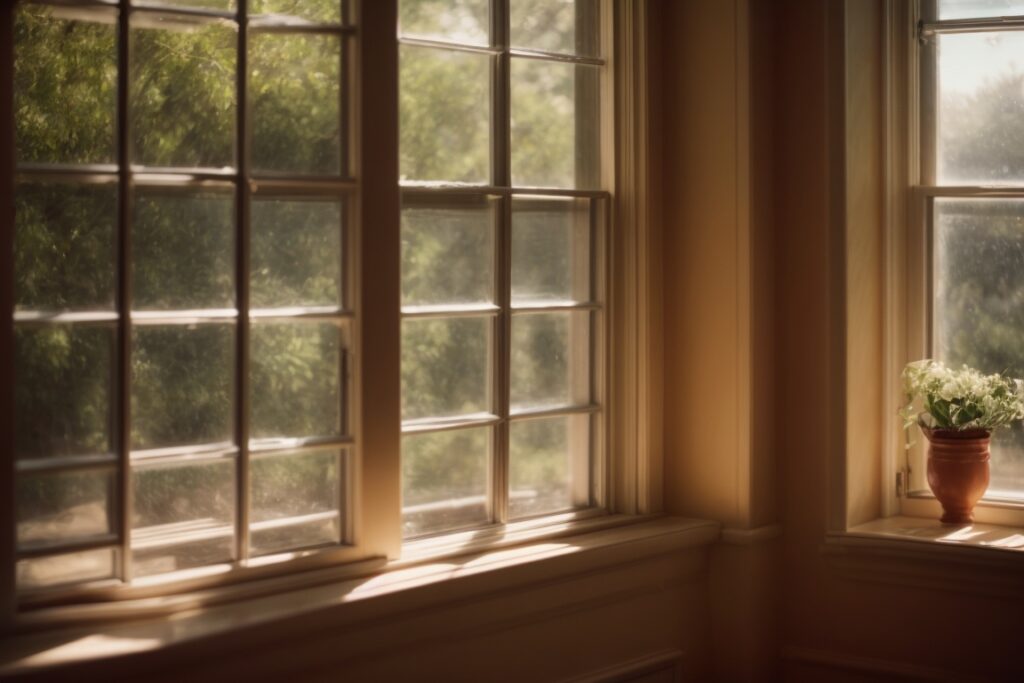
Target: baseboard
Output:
[(874, 669)]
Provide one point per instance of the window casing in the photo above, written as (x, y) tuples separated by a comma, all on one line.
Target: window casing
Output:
[(966, 220)]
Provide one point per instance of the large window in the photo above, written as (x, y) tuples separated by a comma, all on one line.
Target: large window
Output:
[(503, 243), (971, 200)]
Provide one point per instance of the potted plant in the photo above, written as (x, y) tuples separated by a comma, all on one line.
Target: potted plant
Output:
[(957, 411)]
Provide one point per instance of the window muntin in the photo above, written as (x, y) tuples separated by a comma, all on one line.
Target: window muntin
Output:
[(972, 203), (183, 323), (502, 238)]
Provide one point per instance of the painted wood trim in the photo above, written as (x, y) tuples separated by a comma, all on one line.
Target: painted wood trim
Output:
[(754, 536), (669, 661), (875, 668)]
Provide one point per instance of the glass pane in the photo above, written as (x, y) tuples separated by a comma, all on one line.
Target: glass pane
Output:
[(445, 367), (182, 93), (550, 360), (64, 246), (295, 500), (183, 516), (296, 380), (555, 124), (548, 467), (64, 506), (294, 95), (966, 9), (322, 11), (456, 21), (201, 4), (978, 311), (981, 105), (445, 115), (550, 251), (65, 86), (566, 26), (296, 254), (63, 390), (182, 385), (183, 251), (444, 480), (448, 253), (54, 570)]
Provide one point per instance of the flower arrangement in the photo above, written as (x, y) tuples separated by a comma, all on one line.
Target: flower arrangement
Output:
[(944, 398)]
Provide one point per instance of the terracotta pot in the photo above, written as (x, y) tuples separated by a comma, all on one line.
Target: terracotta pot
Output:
[(958, 470)]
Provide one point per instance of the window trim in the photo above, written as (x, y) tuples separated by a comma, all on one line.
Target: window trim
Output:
[(634, 461)]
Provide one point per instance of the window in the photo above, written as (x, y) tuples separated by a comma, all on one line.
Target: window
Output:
[(503, 243), (971, 202), (208, 374)]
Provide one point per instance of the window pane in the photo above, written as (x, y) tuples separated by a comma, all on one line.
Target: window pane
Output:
[(63, 390), (322, 11), (295, 500), (64, 246), (183, 93), (567, 26), (966, 9), (981, 105), (296, 253), (294, 95), (444, 480), (979, 305), (182, 385), (550, 251), (296, 380), (202, 4), (183, 251), (445, 115), (555, 124), (549, 462), (64, 506), (445, 367), (457, 21), (183, 516), (65, 85), (448, 253), (54, 570), (550, 360)]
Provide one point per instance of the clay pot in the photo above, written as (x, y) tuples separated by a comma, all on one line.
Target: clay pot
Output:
[(958, 470)]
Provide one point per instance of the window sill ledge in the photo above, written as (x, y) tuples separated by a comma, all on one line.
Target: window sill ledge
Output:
[(984, 559), (402, 588)]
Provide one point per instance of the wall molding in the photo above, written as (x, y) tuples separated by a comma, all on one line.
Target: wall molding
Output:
[(876, 668), (754, 536), (670, 661)]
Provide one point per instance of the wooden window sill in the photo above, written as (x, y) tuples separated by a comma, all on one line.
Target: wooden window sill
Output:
[(125, 634)]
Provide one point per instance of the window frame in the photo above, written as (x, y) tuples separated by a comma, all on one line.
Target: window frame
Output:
[(634, 457)]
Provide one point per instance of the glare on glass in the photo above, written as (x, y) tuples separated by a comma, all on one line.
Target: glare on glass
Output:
[(564, 26), (320, 11), (550, 364), (296, 253), (183, 516), (295, 380), (64, 257), (445, 366), (979, 305), (548, 465), (183, 250), (65, 85), (182, 94), (64, 506), (980, 107), (182, 385), (448, 253), (444, 115), (295, 103), (444, 480), (455, 21), (555, 124), (973, 9), (550, 251), (63, 390), (56, 570), (295, 500)]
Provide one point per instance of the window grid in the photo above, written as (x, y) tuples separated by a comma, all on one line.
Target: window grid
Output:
[(245, 186), (588, 490)]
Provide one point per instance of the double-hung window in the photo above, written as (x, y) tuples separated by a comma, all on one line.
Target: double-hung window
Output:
[(969, 205)]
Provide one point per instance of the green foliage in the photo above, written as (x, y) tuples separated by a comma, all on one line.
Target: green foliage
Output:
[(959, 399)]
